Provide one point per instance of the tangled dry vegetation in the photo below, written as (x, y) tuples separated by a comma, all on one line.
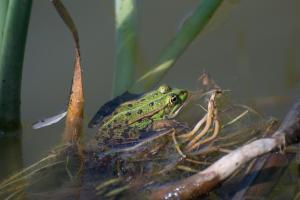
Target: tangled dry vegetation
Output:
[(178, 153), (176, 161)]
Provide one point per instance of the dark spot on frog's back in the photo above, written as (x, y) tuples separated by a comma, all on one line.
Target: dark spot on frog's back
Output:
[(128, 114), (140, 111), (151, 104)]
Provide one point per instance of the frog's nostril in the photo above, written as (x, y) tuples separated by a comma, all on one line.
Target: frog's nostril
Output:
[(183, 95)]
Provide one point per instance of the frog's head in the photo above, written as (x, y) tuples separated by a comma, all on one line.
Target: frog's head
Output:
[(175, 100)]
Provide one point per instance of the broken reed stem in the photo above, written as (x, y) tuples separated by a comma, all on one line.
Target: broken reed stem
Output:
[(73, 125)]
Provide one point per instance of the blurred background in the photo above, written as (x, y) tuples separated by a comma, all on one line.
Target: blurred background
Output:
[(250, 47)]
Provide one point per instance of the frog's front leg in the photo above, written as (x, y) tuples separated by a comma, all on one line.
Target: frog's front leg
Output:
[(164, 124), (170, 126)]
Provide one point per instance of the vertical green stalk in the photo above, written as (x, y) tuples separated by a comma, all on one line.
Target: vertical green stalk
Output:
[(126, 44), (13, 27), (190, 28), (3, 12)]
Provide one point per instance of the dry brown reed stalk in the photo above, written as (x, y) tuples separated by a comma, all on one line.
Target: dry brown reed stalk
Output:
[(73, 124)]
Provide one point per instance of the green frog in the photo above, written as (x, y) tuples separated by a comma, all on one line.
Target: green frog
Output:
[(128, 119)]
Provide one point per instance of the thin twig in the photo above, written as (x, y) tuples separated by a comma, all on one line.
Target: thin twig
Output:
[(117, 191), (236, 118), (217, 127), (177, 145), (195, 129), (207, 125), (107, 183), (186, 168)]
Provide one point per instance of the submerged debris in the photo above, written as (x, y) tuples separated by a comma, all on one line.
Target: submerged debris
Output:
[(175, 151), (169, 152)]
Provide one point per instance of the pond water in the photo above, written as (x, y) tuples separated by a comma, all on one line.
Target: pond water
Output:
[(250, 47)]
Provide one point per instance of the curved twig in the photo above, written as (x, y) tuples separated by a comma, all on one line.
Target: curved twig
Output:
[(195, 129), (209, 121), (217, 127)]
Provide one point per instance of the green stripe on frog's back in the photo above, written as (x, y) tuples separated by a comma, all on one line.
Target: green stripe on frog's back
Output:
[(147, 97), (133, 111)]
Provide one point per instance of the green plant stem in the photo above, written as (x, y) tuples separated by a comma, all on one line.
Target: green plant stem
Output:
[(190, 28), (3, 10), (126, 44), (13, 32)]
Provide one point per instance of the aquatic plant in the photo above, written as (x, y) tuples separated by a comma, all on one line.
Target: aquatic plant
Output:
[(14, 19)]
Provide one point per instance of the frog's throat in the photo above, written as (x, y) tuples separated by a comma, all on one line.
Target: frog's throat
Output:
[(176, 112)]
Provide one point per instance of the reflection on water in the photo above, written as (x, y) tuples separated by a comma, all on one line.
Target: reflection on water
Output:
[(10, 154)]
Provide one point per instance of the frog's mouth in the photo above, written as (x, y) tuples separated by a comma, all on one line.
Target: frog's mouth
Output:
[(171, 116)]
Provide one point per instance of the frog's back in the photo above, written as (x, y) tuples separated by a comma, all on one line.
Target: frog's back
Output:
[(108, 108)]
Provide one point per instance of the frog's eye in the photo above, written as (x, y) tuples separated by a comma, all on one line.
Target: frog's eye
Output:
[(164, 89), (174, 99)]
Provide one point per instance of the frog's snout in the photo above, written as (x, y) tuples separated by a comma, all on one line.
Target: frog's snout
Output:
[(183, 95)]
